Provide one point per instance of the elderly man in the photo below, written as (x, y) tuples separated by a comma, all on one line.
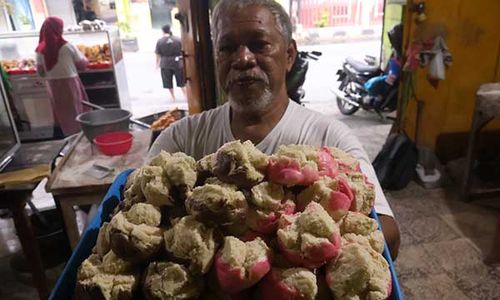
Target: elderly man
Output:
[(254, 50)]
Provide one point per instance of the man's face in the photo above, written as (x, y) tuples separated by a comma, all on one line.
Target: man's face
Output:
[(252, 58)]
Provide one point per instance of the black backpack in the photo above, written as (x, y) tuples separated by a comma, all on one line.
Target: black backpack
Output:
[(396, 162)]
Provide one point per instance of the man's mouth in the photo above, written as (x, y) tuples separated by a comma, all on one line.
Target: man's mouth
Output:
[(246, 81)]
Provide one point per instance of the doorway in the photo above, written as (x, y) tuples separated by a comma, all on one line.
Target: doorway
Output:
[(161, 12)]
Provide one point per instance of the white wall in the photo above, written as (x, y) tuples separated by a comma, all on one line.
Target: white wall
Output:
[(4, 25), (62, 9)]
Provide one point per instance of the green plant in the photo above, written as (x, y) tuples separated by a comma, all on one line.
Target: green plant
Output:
[(323, 19), (24, 20), (124, 18), (124, 27), (6, 5), (125, 30)]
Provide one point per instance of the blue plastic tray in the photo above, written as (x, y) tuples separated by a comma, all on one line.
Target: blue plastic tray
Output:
[(397, 293), (65, 285)]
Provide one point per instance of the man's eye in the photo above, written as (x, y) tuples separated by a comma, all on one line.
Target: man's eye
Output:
[(260, 46), (226, 48)]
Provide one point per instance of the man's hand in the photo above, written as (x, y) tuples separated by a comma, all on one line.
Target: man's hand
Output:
[(391, 234)]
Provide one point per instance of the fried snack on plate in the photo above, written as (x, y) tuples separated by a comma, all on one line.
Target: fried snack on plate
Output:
[(164, 121)]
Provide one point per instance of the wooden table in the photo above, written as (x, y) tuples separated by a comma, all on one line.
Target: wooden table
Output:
[(15, 196), (70, 186)]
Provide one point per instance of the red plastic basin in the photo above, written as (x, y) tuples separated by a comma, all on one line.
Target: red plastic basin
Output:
[(114, 143)]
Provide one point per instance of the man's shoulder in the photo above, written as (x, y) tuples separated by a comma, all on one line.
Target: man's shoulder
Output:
[(313, 117), (316, 125)]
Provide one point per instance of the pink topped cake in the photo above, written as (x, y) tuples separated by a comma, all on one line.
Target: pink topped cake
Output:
[(239, 265), (310, 238)]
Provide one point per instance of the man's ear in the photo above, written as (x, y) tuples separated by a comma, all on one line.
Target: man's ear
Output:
[(291, 54)]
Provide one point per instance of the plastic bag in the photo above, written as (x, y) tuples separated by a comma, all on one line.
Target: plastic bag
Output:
[(395, 164), (436, 67)]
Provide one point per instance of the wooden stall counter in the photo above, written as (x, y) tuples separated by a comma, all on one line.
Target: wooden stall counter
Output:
[(30, 165), (80, 177)]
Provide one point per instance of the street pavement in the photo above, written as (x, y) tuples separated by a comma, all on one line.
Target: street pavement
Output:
[(321, 76), (147, 96)]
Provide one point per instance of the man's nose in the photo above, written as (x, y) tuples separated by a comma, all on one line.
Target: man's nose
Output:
[(244, 58)]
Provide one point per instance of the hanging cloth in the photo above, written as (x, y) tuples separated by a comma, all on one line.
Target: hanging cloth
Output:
[(437, 58)]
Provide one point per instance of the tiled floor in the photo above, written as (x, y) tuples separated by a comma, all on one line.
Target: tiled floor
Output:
[(17, 285), (443, 244), (443, 240)]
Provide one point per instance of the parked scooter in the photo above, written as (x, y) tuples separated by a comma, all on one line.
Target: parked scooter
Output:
[(297, 75), (365, 85)]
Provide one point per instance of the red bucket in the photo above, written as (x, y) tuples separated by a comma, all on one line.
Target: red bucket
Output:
[(114, 143)]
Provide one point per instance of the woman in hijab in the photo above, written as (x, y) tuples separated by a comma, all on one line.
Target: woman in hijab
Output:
[(58, 62)]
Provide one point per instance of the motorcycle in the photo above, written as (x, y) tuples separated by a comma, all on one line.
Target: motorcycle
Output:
[(296, 77), (364, 85), (352, 93)]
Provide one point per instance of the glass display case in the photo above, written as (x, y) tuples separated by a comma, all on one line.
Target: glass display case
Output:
[(9, 141), (104, 80)]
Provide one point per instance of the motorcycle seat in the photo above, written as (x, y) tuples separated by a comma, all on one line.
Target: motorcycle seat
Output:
[(361, 66)]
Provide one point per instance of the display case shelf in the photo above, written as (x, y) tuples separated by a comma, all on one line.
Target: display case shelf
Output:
[(95, 71), (97, 87)]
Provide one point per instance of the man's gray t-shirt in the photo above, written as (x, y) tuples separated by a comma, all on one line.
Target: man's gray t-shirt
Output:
[(204, 133)]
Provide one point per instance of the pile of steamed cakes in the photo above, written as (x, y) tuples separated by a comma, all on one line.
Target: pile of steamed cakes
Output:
[(239, 224)]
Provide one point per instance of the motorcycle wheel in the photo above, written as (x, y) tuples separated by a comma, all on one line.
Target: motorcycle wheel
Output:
[(345, 107)]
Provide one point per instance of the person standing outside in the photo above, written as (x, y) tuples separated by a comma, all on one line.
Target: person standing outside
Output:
[(58, 62), (169, 60)]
